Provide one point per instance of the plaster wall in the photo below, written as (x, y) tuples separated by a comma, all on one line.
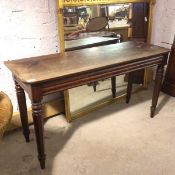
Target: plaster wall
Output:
[(27, 28)]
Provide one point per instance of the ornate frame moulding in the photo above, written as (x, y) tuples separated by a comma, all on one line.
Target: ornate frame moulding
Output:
[(96, 2)]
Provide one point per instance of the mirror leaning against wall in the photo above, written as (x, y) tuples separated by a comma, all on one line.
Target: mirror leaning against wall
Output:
[(93, 24)]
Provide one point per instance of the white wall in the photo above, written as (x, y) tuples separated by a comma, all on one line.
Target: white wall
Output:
[(164, 23), (27, 28)]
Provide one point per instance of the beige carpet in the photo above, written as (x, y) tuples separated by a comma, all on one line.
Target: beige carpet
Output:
[(119, 139)]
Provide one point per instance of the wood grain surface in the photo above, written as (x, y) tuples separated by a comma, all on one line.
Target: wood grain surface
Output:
[(42, 68)]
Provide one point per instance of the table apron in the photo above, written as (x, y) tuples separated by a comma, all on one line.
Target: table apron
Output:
[(96, 75)]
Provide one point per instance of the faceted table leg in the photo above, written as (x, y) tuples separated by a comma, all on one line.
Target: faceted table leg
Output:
[(113, 84), (39, 129), (23, 110), (157, 86)]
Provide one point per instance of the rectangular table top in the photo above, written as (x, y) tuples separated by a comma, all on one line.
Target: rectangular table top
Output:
[(88, 42), (43, 68)]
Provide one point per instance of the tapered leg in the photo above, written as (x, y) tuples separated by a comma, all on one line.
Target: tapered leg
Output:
[(23, 110), (157, 87), (38, 124), (129, 86), (113, 84)]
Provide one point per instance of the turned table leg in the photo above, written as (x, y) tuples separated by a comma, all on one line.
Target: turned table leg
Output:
[(157, 87), (39, 129), (23, 110), (113, 84)]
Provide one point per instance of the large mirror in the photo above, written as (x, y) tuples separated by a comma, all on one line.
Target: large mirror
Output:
[(97, 25)]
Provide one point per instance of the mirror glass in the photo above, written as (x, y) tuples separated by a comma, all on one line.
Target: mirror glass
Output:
[(88, 26)]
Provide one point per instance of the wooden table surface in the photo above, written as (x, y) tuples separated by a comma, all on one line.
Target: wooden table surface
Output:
[(88, 42), (37, 69)]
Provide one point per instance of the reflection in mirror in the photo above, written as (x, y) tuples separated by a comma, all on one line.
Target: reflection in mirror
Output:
[(78, 21), (90, 98), (103, 94)]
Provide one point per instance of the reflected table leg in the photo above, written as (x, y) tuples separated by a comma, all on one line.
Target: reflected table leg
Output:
[(113, 84)]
